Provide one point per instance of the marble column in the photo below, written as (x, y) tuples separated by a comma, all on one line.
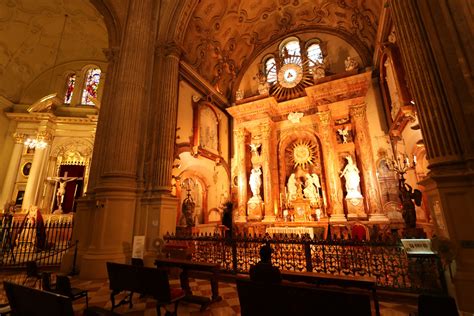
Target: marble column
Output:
[(331, 167), (239, 141), (267, 163), (34, 179), (13, 167), (112, 227), (429, 33), (364, 149)]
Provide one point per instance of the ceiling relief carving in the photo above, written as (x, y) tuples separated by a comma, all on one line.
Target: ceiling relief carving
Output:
[(222, 36), (30, 32)]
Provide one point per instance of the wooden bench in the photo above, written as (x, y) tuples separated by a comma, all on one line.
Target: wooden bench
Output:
[(151, 282), (198, 269), (339, 281), (290, 298), (32, 302)]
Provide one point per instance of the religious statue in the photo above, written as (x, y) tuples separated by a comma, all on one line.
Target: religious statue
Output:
[(406, 195), (239, 95), (319, 72), (351, 63), (316, 180), (311, 191), (29, 238), (263, 85), (292, 187), (62, 181), (255, 181), (295, 117), (351, 175), (344, 132)]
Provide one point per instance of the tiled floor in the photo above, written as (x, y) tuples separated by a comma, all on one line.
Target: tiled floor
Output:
[(99, 295)]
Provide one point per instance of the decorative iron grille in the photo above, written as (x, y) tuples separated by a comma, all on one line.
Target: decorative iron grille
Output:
[(385, 260)]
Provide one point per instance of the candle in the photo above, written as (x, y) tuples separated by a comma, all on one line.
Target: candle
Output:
[(414, 159)]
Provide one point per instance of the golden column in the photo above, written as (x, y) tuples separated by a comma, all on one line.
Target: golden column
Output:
[(364, 150), (331, 167), (12, 170), (239, 138), (267, 162)]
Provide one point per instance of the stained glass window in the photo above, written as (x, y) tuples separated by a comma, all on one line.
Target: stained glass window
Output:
[(270, 70), (315, 55), (89, 95), (70, 83), (291, 52)]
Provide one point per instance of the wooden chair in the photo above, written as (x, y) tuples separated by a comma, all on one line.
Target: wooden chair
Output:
[(32, 272), (63, 287)]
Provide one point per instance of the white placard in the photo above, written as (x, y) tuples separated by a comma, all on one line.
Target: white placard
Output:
[(417, 246), (138, 246)]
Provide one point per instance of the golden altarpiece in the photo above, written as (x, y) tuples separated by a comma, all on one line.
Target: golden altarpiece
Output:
[(292, 158)]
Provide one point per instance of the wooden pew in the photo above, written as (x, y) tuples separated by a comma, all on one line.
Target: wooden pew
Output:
[(290, 298), (146, 281), (32, 302), (339, 281), (200, 270)]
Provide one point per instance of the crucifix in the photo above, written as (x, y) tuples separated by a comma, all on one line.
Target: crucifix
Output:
[(61, 191)]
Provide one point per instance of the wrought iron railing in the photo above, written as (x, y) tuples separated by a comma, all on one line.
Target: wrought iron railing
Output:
[(386, 260), (44, 243)]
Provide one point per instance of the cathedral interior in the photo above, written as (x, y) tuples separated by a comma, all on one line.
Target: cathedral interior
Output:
[(141, 117)]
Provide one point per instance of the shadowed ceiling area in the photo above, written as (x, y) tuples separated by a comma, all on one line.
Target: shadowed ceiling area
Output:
[(30, 33), (224, 36)]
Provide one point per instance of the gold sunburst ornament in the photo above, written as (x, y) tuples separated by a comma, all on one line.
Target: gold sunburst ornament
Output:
[(303, 153)]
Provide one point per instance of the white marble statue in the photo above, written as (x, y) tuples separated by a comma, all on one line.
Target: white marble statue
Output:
[(316, 180), (255, 181), (351, 175), (292, 187), (61, 181), (310, 191), (344, 132)]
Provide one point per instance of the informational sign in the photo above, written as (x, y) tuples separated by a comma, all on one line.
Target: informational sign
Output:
[(138, 247), (417, 246)]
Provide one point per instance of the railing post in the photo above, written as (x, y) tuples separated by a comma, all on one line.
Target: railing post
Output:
[(73, 271), (234, 255)]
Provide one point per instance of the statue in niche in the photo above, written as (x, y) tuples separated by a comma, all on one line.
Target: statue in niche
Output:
[(316, 180), (345, 134), (319, 72), (255, 181), (351, 175), (263, 85), (351, 63), (311, 191), (292, 187)]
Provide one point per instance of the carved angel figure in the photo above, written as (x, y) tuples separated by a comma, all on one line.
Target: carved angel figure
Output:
[(291, 186), (344, 132), (294, 117), (351, 63)]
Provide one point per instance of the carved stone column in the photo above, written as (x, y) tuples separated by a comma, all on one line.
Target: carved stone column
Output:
[(12, 171), (37, 166), (331, 166), (239, 138), (432, 36), (364, 150), (112, 226), (267, 163)]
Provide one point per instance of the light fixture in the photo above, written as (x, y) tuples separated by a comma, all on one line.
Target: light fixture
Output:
[(401, 165), (35, 143)]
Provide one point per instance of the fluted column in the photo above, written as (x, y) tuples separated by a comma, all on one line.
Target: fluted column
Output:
[(432, 41), (119, 141), (267, 162), (435, 117), (239, 137), (331, 166), (166, 115), (34, 179), (364, 149), (12, 171)]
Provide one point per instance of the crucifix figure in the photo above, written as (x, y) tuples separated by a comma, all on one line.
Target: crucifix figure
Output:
[(62, 181)]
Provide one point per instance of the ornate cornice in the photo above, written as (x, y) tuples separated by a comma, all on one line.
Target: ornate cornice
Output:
[(324, 118), (19, 138), (358, 111)]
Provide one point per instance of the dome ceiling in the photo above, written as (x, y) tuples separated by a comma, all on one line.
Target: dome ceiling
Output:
[(30, 32), (223, 36)]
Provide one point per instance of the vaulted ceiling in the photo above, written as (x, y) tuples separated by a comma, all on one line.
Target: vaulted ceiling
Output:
[(224, 36), (30, 34)]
